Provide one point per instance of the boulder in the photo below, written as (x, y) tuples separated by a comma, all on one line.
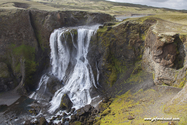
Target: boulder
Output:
[(87, 108), (130, 117), (80, 112), (66, 103), (28, 122), (53, 84), (85, 115), (42, 121)]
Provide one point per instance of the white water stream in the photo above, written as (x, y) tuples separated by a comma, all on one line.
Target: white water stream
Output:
[(69, 64)]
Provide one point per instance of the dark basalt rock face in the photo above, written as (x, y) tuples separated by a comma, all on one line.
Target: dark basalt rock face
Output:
[(66, 103), (24, 43), (117, 53), (133, 56), (53, 84), (85, 115)]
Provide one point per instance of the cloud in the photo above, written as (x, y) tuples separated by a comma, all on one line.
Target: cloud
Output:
[(159, 0), (173, 4)]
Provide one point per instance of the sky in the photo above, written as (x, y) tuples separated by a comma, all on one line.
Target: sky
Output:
[(172, 4)]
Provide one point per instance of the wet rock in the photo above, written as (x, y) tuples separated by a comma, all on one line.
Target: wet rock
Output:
[(73, 110), (67, 119), (64, 114), (3, 108), (66, 103), (42, 121), (36, 122), (80, 111), (82, 58), (53, 84), (53, 118), (87, 108), (85, 115), (28, 122), (73, 118), (82, 118), (59, 123), (100, 27)]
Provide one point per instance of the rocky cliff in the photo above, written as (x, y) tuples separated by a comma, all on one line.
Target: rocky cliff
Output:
[(139, 59), (119, 51), (124, 50), (146, 60), (24, 45)]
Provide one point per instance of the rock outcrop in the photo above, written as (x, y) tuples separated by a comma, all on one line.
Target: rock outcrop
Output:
[(118, 55), (66, 103), (138, 52), (24, 43), (164, 54)]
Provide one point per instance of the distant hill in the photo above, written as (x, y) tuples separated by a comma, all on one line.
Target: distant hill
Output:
[(103, 6)]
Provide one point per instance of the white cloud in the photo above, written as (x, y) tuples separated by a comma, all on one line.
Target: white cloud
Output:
[(159, 0), (173, 4)]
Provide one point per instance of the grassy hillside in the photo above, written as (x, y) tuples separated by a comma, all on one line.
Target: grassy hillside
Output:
[(102, 6)]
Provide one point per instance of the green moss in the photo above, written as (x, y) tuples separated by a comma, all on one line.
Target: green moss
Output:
[(120, 109), (39, 38), (63, 104), (102, 30), (17, 68), (105, 112), (115, 67), (179, 111), (74, 31), (103, 106), (4, 70), (27, 54), (153, 76), (137, 75), (77, 123), (164, 84), (98, 123), (113, 76), (183, 38), (180, 82), (143, 37), (25, 51)]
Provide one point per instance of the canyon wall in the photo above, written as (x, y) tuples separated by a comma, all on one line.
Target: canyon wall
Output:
[(138, 54), (24, 43)]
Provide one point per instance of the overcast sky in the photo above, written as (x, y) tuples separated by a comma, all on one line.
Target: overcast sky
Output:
[(173, 4)]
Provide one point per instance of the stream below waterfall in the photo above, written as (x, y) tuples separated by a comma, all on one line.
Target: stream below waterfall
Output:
[(70, 74)]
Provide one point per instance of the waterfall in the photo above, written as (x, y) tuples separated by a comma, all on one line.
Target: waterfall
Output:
[(69, 63)]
